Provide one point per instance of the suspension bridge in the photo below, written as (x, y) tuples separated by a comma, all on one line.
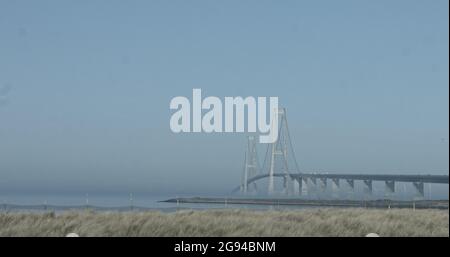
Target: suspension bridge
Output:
[(280, 163)]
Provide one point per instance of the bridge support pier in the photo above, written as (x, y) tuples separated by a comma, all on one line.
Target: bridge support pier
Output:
[(390, 187), (369, 187), (419, 186), (297, 186), (313, 190), (323, 185), (351, 184), (286, 187), (304, 188), (335, 187)]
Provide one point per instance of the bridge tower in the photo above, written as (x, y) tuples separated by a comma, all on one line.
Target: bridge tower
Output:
[(280, 151), (251, 166)]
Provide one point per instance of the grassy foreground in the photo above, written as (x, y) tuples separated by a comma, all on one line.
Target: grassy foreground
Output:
[(312, 222)]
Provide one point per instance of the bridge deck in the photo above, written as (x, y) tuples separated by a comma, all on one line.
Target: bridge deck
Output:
[(441, 179), (438, 179)]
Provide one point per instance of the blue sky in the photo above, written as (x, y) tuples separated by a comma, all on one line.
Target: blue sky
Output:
[(87, 85)]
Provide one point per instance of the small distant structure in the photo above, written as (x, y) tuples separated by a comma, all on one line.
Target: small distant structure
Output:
[(72, 235), (372, 235)]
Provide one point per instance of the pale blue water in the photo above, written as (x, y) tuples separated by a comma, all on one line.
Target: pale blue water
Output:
[(102, 200), (124, 201), (48, 202)]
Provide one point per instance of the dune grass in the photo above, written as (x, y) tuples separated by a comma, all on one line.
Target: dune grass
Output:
[(311, 222)]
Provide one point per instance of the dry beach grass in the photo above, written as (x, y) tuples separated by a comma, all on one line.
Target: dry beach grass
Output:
[(311, 222)]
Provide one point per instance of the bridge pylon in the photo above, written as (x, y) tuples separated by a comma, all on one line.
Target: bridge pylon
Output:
[(280, 151), (251, 166)]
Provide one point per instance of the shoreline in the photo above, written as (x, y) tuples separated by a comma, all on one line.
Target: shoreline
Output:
[(381, 204)]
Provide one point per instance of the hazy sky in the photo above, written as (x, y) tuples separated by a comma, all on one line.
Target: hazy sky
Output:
[(85, 88)]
